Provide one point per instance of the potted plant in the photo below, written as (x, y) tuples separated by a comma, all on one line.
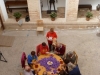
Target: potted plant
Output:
[(17, 15), (53, 15), (88, 15)]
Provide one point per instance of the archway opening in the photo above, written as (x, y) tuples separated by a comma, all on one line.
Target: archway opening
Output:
[(88, 5), (47, 8), (13, 6)]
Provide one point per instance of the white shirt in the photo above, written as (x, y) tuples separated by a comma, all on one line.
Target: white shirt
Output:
[(28, 73)]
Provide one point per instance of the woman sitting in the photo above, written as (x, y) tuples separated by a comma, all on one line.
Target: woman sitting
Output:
[(69, 57)]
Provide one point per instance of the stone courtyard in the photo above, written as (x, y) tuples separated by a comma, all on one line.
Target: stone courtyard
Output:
[(86, 43)]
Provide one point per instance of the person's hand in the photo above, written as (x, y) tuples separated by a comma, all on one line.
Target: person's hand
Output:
[(39, 54), (50, 38), (55, 52), (58, 72), (34, 62), (63, 68), (58, 52)]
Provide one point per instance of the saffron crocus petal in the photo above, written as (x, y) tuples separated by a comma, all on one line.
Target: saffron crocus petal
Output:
[(55, 65)]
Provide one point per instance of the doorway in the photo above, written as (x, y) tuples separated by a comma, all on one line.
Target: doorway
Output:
[(59, 8)]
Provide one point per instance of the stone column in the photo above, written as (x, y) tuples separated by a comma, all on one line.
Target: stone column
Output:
[(72, 10), (34, 9)]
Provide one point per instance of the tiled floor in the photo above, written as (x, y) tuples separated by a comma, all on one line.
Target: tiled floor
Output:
[(86, 43)]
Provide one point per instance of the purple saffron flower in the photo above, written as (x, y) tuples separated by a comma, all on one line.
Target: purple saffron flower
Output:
[(53, 63)]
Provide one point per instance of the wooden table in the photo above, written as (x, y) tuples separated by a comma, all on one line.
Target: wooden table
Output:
[(85, 6), (15, 3), (42, 68)]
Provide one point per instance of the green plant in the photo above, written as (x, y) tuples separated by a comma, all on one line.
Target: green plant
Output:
[(53, 15), (89, 14), (17, 15)]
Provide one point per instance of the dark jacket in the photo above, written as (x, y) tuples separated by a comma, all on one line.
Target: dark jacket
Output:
[(61, 50), (75, 71)]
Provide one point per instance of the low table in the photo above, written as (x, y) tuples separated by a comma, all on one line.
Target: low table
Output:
[(85, 6), (42, 64)]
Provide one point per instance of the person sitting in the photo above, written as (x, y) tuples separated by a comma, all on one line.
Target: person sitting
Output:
[(31, 57), (73, 69), (70, 57), (60, 49), (42, 49), (28, 71)]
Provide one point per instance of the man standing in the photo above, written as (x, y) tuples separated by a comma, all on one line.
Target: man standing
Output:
[(52, 2), (50, 36)]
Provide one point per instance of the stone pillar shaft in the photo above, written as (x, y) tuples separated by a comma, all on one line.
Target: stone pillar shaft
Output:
[(34, 9), (72, 10)]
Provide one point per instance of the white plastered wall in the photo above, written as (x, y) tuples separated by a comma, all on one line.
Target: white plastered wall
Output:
[(3, 10)]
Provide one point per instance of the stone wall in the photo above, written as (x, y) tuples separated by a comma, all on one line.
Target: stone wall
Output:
[(71, 21), (72, 9), (34, 9)]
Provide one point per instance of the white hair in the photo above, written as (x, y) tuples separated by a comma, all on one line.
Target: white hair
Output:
[(70, 53), (71, 66)]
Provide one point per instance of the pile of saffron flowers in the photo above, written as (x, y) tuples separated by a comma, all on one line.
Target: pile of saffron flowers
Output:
[(55, 64)]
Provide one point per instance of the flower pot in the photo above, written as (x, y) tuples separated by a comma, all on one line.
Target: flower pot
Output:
[(53, 19), (87, 18), (17, 19)]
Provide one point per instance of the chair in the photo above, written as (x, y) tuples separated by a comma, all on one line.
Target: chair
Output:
[(76, 57), (23, 60), (40, 26)]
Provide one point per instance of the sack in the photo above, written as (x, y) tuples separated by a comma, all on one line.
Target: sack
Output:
[(27, 18)]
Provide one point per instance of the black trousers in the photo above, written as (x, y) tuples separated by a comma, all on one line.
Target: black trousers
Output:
[(51, 47), (53, 5)]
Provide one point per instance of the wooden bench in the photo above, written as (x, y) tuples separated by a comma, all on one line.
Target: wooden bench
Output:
[(15, 4), (85, 6)]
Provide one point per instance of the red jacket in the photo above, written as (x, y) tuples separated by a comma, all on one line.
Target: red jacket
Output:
[(51, 34), (42, 49)]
